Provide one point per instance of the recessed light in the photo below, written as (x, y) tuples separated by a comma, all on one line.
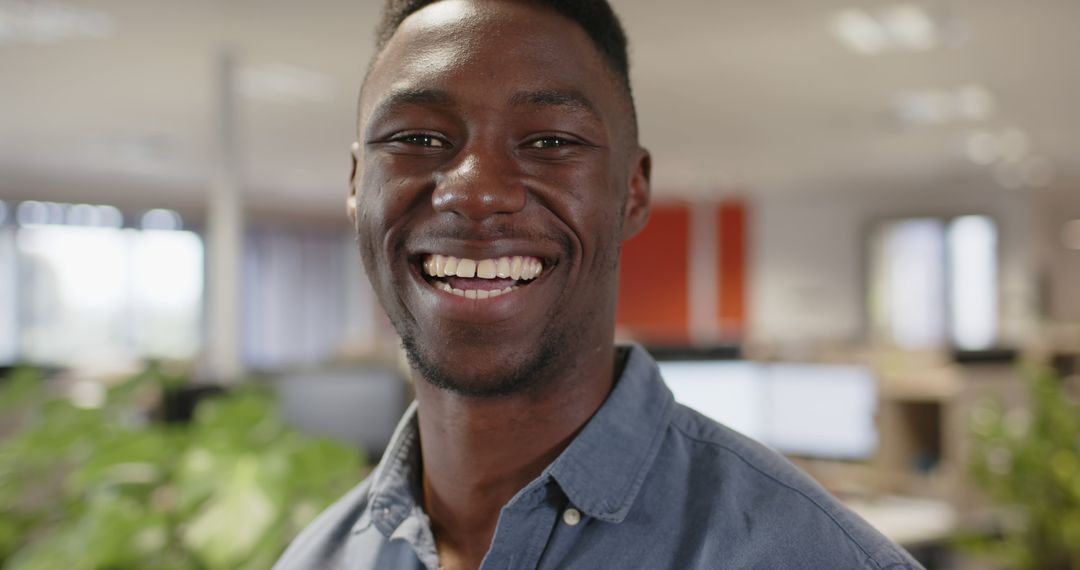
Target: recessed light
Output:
[(859, 31), (50, 21), (909, 27), (900, 27), (924, 107), (938, 106)]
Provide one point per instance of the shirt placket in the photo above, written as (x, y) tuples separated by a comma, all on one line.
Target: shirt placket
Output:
[(567, 531), (523, 532)]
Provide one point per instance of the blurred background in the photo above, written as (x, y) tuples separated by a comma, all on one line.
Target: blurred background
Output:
[(864, 251)]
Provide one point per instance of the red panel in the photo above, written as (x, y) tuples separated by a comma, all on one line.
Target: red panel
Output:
[(653, 303), (731, 219)]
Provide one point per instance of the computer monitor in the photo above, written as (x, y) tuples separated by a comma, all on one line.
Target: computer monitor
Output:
[(822, 410), (356, 405), (730, 392), (809, 410)]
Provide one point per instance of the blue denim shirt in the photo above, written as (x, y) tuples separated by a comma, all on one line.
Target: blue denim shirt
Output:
[(647, 483)]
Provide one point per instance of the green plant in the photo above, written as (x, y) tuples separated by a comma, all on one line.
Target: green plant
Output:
[(1028, 462), (106, 488)]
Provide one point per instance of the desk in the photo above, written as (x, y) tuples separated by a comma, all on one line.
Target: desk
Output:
[(907, 520)]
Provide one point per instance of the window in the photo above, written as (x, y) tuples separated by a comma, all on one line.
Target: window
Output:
[(935, 282), (89, 292)]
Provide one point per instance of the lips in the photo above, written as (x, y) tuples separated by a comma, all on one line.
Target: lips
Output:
[(480, 279)]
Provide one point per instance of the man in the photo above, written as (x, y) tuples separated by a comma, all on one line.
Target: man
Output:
[(497, 173)]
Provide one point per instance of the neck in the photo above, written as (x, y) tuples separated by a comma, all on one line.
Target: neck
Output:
[(479, 452)]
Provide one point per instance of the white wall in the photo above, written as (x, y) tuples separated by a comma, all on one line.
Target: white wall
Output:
[(809, 258), (8, 302), (1061, 265)]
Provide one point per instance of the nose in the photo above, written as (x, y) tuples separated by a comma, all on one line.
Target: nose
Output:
[(479, 185)]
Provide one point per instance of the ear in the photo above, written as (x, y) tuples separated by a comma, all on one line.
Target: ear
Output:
[(350, 202), (636, 211)]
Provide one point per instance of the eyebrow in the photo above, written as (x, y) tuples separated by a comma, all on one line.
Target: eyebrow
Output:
[(565, 98), (405, 97)]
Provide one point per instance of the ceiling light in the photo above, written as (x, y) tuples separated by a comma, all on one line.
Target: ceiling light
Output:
[(937, 106), (909, 27), (859, 31), (50, 21), (1070, 234), (900, 27), (924, 107)]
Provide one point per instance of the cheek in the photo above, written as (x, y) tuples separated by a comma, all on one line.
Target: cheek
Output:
[(375, 207), (365, 233), (371, 214)]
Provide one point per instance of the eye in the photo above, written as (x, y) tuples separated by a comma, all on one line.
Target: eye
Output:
[(421, 140), (550, 142)]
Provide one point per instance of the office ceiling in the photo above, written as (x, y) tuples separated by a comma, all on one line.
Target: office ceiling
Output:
[(733, 96)]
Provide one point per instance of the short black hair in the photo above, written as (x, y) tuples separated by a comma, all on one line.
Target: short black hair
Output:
[(596, 17)]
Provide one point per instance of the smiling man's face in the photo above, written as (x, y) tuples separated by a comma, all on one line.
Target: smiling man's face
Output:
[(498, 172)]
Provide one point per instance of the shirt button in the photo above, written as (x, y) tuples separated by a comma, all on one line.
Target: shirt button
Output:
[(571, 516)]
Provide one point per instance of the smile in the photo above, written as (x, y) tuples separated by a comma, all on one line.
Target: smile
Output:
[(480, 279)]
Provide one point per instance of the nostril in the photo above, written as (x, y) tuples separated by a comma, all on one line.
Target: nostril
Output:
[(478, 203)]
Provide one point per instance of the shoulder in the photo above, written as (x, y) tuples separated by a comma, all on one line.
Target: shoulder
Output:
[(322, 543), (779, 506)]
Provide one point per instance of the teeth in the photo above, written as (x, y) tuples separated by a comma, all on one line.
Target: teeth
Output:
[(466, 268), (486, 269), (502, 268), (473, 294), (451, 266), (516, 267)]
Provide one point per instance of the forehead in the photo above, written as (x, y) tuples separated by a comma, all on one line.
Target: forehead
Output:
[(479, 51)]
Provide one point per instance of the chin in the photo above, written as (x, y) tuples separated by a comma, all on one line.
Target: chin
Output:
[(508, 373)]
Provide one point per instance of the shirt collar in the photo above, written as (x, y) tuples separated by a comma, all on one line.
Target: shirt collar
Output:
[(601, 471), (394, 492)]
